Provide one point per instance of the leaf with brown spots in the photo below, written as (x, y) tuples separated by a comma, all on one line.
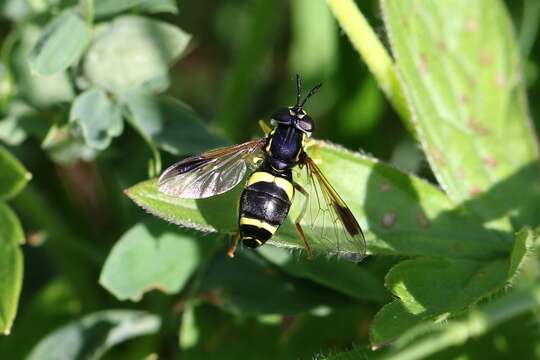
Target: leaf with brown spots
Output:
[(468, 100), (369, 188)]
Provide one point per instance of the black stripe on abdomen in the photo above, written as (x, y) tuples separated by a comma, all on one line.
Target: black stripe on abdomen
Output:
[(264, 206), (254, 236)]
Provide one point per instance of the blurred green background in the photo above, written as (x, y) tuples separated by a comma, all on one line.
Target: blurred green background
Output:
[(238, 67)]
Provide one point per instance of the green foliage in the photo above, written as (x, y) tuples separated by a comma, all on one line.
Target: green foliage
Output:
[(94, 334), (119, 65), (348, 278), (466, 78), (147, 258), (38, 91), (90, 102), (98, 118), (11, 268), (111, 7), (61, 44), (168, 123), (424, 220), (13, 177)]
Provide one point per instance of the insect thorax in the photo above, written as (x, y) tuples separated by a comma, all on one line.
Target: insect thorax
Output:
[(284, 147)]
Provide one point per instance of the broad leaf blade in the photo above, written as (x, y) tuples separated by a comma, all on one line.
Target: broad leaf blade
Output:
[(13, 175), (343, 276), (40, 316), (118, 65), (459, 64), (168, 123), (94, 334), (249, 285), (427, 288), (66, 148), (11, 266), (60, 45), (103, 8), (400, 213), (151, 256), (98, 117), (40, 91)]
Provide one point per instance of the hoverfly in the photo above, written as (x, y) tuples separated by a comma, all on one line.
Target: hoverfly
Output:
[(270, 189)]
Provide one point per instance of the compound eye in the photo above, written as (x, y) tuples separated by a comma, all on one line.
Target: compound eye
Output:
[(282, 116), (306, 124)]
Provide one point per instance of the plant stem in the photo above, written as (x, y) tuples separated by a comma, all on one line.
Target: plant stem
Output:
[(476, 323), (90, 12), (372, 51)]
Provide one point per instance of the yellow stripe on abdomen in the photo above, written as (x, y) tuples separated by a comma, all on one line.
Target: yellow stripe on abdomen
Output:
[(262, 176), (258, 223)]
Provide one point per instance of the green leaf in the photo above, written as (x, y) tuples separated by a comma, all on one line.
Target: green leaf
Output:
[(169, 123), (91, 336), (158, 6), (460, 68), (13, 175), (104, 8), (224, 336), (401, 214), (515, 338), (133, 51), (64, 148), (522, 250), (20, 122), (60, 45), (249, 285), (428, 339), (214, 334), (98, 117), (11, 266), (13, 126), (427, 288), (15, 10), (398, 316), (40, 91), (152, 255), (432, 287), (343, 276), (40, 316), (7, 88)]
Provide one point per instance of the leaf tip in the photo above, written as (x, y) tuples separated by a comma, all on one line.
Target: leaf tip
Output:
[(7, 330)]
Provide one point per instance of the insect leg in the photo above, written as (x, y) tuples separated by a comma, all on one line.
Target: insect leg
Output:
[(232, 248), (299, 229)]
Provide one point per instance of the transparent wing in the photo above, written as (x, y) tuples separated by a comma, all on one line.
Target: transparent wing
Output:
[(330, 219), (211, 173)]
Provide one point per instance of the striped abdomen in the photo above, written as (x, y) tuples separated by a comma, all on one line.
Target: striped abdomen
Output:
[(264, 205)]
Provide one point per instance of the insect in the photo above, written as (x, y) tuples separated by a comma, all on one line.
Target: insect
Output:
[(270, 189)]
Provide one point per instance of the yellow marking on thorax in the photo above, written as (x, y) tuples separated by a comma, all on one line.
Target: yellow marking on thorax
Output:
[(262, 176), (258, 223), (267, 149), (304, 140)]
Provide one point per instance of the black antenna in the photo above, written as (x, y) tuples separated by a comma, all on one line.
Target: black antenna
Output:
[(298, 90), (311, 93)]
